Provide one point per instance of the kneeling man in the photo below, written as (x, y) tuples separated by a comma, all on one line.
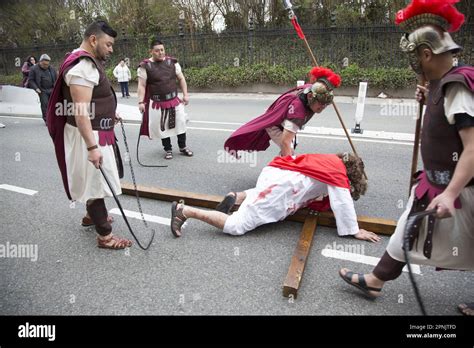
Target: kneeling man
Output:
[(284, 186)]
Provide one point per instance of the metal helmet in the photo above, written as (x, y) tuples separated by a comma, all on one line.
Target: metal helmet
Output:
[(437, 40), (429, 23), (324, 81)]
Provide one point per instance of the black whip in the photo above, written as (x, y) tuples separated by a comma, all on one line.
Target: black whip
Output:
[(411, 220), (123, 214)]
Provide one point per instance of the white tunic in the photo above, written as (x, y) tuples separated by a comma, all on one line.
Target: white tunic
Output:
[(276, 134), (280, 193), (84, 180), (154, 115), (453, 238)]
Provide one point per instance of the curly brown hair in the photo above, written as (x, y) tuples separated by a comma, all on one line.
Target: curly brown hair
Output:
[(355, 173)]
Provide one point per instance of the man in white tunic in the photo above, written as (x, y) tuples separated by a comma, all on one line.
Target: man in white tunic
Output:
[(286, 185), (163, 112), (81, 118), (445, 239)]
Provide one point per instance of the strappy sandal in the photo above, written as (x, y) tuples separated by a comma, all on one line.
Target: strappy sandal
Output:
[(467, 308), (177, 218), (361, 284), (117, 243), (169, 155), (226, 205), (87, 221), (187, 152)]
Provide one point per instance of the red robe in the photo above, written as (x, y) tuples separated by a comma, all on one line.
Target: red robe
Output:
[(326, 168)]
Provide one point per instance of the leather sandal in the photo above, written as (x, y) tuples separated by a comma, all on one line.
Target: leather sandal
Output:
[(114, 242), (466, 308), (226, 205), (187, 152), (169, 155), (177, 218), (361, 284)]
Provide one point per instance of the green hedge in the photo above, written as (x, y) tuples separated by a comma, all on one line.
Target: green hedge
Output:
[(218, 76), (214, 75)]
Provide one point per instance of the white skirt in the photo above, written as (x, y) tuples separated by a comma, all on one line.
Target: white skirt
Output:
[(278, 193), (84, 180), (154, 118), (453, 238)]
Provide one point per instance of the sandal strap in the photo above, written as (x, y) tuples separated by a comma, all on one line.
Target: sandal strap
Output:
[(361, 281), (118, 242)]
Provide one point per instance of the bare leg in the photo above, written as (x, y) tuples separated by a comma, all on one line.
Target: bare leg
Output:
[(240, 197), (212, 217)]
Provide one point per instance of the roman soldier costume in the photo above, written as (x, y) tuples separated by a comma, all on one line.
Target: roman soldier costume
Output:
[(161, 93), (449, 242), (82, 181), (291, 111)]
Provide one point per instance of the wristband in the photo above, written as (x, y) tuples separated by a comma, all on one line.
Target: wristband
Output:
[(92, 148)]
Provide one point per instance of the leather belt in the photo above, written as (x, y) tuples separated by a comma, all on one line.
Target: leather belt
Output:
[(164, 97)]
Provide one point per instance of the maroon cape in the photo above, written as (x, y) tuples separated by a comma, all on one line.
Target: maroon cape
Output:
[(465, 71), (252, 136), (56, 121)]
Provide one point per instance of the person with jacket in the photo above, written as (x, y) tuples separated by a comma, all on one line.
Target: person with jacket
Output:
[(123, 75), (25, 70), (41, 78)]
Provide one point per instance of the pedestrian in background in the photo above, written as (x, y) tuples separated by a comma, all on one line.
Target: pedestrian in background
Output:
[(25, 70), (123, 75), (41, 78)]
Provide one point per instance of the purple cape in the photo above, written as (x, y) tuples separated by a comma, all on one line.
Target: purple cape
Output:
[(252, 136), (467, 72), (56, 122)]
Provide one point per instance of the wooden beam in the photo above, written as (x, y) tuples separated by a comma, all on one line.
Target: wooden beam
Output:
[(380, 226), (298, 260)]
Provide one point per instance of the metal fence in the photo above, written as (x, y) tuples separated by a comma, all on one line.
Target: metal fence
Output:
[(374, 46)]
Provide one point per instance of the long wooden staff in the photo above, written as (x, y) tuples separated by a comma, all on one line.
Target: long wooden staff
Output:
[(289, 7), (416, 145)]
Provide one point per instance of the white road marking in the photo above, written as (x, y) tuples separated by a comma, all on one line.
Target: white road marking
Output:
[(379, 137), (214, 122), (137, 215), (362, 140), (18, 189), (368, 260)]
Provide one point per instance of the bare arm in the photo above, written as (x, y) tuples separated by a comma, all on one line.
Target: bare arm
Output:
[(141, 94), (462, 175), (184, 87), (81, 97), (286, 143)]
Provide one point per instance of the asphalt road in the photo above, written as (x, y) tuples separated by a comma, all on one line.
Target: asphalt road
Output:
[(205, 271)]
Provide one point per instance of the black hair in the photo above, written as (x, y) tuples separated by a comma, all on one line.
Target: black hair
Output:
[(99, 27), (155, 42), (28, 59)]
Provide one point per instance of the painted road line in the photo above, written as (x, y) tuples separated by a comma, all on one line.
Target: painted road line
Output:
[(18, 189), (314, 136), (137, 215), (368, 260)]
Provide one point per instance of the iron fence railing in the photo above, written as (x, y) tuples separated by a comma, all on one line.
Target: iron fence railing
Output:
[(367, 46)]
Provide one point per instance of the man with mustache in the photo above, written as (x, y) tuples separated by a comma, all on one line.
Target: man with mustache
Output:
[(83, 134)]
